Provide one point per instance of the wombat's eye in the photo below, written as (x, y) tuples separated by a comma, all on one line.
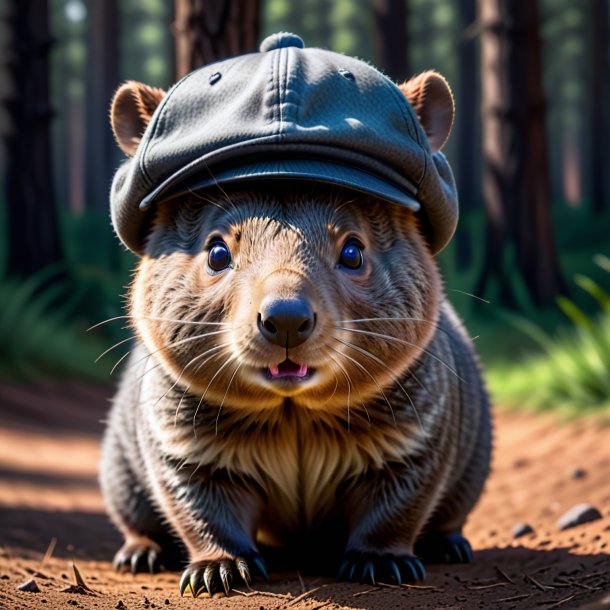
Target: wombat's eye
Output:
[(351, 256), (219, 256)]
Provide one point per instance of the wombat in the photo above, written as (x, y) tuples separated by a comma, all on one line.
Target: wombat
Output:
[(301, 391)]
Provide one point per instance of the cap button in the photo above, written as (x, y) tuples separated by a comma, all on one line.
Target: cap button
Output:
[(281, 40)]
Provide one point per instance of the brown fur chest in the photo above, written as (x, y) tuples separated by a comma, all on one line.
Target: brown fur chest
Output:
[(299, 457)]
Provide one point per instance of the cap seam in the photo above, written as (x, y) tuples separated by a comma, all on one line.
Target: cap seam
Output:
[(160, 113)]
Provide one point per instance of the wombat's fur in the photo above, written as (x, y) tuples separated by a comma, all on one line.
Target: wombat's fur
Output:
[(373, 453)]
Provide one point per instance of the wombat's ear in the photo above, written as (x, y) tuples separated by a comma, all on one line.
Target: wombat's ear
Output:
[(131, 110), (431, 98)]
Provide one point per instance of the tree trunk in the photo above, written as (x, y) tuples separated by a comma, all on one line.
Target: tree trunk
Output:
[(467, 130), (32, 218), (600, 125), (102, 80), (210, 30), (516, 173), (391, 36)]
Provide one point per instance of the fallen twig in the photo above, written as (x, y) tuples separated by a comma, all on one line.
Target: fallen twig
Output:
[(491, 586), (533, 581), (303, 589), (557, 604), (359, 593), (515, 598), (48, 552), (266, 593), (574, 583), (296, 600), (504, 575), (80, 586)]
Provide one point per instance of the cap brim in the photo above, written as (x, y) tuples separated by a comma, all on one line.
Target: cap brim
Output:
[(325, 171)]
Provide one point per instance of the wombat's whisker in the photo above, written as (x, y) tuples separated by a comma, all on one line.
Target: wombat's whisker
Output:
[(222, 402), (397, 381), (181, 342), (210, 200), (468, 294), (188, 387), (191, 361), (113, 347), (336, 386), (403, 341), (215, 348), (134, 364), (349, 385), (365, 370), (157, 319), (118, 362), (436, 325), (227, 362)]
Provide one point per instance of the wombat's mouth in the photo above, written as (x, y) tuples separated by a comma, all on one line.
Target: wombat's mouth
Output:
[(288, 368)]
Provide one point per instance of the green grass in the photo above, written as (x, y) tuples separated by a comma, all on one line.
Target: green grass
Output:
[(41, 333), (571, 372)]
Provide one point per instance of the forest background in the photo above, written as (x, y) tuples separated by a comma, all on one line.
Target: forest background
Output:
[(528, 269)]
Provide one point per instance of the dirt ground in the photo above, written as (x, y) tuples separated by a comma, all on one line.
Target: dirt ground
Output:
[(50, 504)]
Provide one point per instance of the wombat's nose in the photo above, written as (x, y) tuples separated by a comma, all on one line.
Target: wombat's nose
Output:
[(286, 322)]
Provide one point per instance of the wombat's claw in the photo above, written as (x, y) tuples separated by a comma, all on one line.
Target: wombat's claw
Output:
[(444, 548), (140, 555), (387, 568), (213, 577)]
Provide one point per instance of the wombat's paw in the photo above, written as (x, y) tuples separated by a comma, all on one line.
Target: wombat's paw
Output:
[(209, 578), (138, 555), (436, 547), (387, 568)]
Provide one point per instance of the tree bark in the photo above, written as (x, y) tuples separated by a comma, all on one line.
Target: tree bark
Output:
[(102, 80), (467, 130), (210, 30), (600, 125), (33, 230), (516, 173), (391, 38)]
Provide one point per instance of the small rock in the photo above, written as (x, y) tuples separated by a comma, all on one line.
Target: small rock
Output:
[(577, 515), (578, 473), (167, 602), (30, 586), (120, 605), (521, 529)]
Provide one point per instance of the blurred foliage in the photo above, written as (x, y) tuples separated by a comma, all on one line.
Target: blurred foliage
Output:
[(43, 328), (572, 373), (39, 332)]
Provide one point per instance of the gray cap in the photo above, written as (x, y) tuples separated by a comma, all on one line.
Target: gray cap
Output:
[(285, 112)]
